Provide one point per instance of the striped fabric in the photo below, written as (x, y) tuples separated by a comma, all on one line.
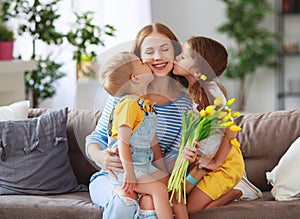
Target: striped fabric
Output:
[(168, 130)]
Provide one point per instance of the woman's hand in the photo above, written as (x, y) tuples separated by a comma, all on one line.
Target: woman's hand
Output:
[(129, 182), (190, 152), (106, 159)]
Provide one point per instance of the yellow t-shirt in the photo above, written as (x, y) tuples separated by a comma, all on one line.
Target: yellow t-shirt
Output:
[(128, 112)]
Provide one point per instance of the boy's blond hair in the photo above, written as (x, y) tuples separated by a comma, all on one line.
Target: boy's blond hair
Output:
[(116, 72)]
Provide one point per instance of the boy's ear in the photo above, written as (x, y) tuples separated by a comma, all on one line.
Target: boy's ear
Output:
[(134, 78)]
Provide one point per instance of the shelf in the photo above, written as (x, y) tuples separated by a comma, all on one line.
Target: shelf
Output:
[(12, 84), (289, 94), (292, 54), (283, 22), (291, 14)]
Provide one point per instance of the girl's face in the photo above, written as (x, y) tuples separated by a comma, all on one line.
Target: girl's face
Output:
[(158, 53), (185, 65)]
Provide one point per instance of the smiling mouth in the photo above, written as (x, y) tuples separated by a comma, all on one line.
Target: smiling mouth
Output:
[(160, 66)]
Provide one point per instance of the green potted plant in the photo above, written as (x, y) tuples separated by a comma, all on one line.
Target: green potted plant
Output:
[(256, 46), (36, 18), (85, 36), (6, 42)]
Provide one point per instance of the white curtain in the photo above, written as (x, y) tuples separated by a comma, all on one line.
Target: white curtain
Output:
[(126, 16)]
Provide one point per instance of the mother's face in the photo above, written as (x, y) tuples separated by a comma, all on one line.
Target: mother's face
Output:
[(158, 52)]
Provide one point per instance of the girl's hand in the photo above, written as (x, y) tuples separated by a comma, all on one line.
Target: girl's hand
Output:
[(129, 182), (108, 160), (190, 152)]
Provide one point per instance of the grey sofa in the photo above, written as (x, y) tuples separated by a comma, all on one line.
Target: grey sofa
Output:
[(264, 139)]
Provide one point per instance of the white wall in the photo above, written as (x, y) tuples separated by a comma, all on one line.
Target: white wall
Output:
[(194, 17)]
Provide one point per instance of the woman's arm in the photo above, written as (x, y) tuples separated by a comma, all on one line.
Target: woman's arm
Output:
[(96, 143)]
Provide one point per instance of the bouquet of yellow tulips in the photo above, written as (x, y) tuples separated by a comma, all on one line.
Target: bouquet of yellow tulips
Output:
[(210, 121)]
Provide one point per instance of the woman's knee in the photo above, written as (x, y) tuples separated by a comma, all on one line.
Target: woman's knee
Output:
[(120, 207)]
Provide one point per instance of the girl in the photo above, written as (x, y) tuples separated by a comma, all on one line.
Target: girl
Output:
[(204, 56)]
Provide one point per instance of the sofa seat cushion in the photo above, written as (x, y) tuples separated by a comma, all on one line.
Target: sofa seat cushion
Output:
[(265, 207), (71, 205)]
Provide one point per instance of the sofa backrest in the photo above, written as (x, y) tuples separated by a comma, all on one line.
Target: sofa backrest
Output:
[(264, 139), (80, 124)]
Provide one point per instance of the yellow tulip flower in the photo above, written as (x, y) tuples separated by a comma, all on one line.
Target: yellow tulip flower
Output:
[(230, 102), (234, 142), (227, 117), (202, 113), (235, 114), (209, 109), (222, 114), (228, 124), (218, 101), (235, 128)]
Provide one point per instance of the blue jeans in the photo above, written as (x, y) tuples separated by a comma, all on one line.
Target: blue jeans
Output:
[(115, 207)]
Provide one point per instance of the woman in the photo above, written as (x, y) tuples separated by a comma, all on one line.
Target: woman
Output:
[(157, 46)]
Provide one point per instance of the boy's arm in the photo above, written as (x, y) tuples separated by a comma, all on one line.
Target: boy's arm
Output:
[(124, 134), (222, 152), (159, 161)]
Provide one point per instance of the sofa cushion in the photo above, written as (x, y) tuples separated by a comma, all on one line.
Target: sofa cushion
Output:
[(15, 111), (80, 124), (34, 156), (285, 177), (264, 139), (63, 206)]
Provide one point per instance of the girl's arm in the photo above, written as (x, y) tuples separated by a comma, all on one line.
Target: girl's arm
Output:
[(159, 161), (124, 134), (222, 152)]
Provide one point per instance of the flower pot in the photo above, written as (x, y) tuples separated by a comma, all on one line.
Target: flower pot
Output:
[(6, 50)]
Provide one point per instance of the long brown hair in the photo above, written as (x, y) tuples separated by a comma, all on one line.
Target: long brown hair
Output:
[(211, 60), (163, 29)]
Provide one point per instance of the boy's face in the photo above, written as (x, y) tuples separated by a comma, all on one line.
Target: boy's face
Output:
[(144, 72)]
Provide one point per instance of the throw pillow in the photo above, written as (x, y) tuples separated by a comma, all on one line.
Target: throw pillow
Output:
[(15, 111), (34, 156), (285, 176)]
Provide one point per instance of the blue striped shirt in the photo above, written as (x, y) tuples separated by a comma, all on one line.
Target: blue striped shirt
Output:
[(168, 129)]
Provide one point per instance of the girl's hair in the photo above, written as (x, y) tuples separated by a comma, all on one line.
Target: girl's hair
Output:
[(163, 29), (116, 71), (211, 60)]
